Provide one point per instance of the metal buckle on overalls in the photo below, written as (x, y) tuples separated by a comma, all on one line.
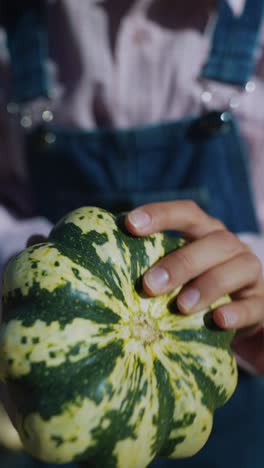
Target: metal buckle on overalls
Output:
[(211, 124), (215, 122), (35, 122)]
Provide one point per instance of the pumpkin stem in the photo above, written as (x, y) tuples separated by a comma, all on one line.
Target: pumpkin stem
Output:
[(145, 331)]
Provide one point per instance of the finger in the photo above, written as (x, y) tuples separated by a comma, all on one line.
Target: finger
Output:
[(36, 239), (240, 314), (190, 261), (226, 278), (183, 215)]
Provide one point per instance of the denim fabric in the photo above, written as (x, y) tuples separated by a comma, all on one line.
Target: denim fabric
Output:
[(27, 38), (119, 170), (233, 55)]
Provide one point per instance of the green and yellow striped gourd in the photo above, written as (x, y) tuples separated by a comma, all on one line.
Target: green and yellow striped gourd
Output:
[(97, 370)]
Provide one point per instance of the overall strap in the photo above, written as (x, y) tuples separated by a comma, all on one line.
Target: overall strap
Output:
[(235, 42), (25, 25)]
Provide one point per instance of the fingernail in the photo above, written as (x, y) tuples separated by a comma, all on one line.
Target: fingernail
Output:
[(229, 317), (156, 279), (140, 219), (189, 298)]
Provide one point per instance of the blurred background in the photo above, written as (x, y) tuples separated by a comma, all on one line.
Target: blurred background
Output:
[(14, 212)]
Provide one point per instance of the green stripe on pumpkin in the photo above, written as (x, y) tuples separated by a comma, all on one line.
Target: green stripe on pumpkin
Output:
[(64, 304)]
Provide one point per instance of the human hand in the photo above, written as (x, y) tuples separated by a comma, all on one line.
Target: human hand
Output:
[(215, 263)]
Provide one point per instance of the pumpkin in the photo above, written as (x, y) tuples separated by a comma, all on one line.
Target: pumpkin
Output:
[(95, 368), (9, 438)]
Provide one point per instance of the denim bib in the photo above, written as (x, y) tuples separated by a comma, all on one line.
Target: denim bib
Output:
[(202, 158)]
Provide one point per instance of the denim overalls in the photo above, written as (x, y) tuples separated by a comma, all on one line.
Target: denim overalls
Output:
[(202, 158)]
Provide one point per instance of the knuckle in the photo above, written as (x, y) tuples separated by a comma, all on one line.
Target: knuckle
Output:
[(186, 262), (245, 246), (253, 263), (214, 284), (216, 224), (194, 208), (196, 216), (228, 240), (245, 313), (214, 281)]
